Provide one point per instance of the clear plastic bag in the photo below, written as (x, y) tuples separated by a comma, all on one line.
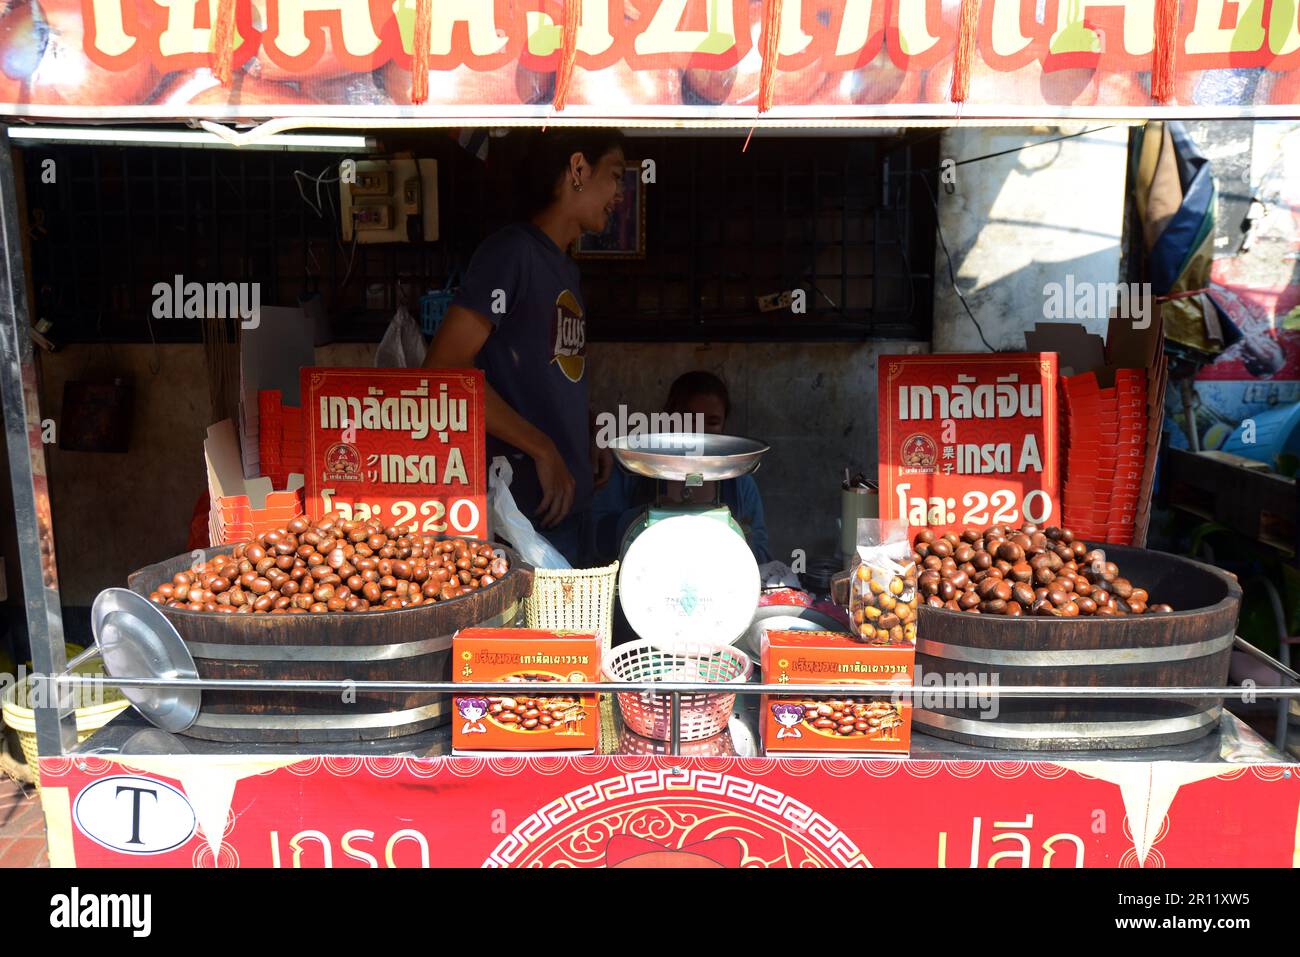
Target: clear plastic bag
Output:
[(403, 345), (882, 595), (512, 525)]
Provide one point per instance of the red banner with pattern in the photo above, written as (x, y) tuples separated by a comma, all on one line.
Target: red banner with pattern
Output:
[(611, 811)]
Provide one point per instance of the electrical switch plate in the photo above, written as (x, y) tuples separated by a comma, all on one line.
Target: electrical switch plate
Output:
[(411, 191), (372, 216), (372, 183), (411, 197)]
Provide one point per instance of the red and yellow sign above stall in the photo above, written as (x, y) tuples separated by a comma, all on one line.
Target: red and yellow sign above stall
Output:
[(648, 59)]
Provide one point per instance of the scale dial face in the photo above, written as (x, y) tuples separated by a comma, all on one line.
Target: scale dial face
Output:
[(689, 578)]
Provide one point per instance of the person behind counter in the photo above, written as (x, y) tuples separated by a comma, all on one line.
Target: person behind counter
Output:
[(626, 496), (519, 317)]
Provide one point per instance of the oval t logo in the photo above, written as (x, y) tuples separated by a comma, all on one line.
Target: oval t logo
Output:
[(134, 815)]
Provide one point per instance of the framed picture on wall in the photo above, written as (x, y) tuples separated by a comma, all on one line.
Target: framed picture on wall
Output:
[(624, 234)]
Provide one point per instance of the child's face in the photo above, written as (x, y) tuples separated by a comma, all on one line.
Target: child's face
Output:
[(472, 712), (787, 718), (712, 410)]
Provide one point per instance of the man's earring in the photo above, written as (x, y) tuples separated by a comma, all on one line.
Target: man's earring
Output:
[(577, 186)]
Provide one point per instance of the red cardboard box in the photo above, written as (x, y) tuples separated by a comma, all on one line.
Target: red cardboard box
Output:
[(529, 720), (870, 724)]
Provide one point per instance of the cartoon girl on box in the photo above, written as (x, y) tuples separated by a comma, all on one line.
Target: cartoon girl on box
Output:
[(473, 710), (788, 717)]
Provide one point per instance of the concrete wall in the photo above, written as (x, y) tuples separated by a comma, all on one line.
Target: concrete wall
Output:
[(815, 404), (1019, 221)]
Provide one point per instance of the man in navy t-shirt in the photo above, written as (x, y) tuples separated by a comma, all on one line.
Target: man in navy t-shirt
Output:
[(519, 317), (536, 357)]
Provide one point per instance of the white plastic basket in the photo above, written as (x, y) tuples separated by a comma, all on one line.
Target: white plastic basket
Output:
[(578, 599), (703, 714)]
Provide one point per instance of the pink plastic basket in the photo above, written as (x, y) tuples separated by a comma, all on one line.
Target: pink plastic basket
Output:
[(703, 715)]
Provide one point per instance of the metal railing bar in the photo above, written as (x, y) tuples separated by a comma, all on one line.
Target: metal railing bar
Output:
[(1242, 644), (673, 687)]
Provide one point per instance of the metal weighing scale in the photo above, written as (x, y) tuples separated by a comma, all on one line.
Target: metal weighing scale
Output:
[(686, 572)]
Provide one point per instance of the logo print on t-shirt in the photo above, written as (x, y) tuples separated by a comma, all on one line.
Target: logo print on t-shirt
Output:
[(569, 335)]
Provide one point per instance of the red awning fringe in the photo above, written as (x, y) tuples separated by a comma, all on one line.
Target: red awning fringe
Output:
[(420, 51), (1162, 56), (964, 54), (568, 52), (768, 48), (223, 41)]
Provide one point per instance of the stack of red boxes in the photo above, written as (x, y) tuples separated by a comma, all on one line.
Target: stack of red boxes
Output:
[(1111, 413), (243, 509), (270, 436), (294, 441), (1130, 453), (234, 519), (280, 440), (1106, 438)]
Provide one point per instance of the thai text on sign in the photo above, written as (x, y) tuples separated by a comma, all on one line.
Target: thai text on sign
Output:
[(403, 446), (969, 441)]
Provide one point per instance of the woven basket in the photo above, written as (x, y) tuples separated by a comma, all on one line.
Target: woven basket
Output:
[(703, 715), (22, 719), (578, 599)]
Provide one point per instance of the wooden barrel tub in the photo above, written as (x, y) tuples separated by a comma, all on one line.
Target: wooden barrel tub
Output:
[(1191, 647), (408, 644)]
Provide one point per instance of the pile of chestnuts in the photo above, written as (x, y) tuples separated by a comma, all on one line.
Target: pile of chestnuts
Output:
[(334, 565), (1025, 571)]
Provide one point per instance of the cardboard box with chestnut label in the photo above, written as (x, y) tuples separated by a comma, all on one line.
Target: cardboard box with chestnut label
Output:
[(857, 724), (531, 720)]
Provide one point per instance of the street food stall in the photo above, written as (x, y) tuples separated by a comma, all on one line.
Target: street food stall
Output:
[(347, 675)]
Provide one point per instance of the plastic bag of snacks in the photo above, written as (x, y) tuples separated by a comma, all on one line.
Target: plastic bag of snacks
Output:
[(882, 599)]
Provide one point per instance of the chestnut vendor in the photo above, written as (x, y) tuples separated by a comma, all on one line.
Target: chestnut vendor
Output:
[(519, 317)]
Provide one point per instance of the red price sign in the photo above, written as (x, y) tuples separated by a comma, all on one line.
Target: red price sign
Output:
[(969, 441), (401, 445)]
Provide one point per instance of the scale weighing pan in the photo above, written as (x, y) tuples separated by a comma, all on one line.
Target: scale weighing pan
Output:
[(678, 456), (136, 640)]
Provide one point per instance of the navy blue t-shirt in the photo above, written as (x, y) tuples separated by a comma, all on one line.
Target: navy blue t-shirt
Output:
[(536, 356)]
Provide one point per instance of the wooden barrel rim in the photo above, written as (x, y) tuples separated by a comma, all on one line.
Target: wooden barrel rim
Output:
[(1136, 631)]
